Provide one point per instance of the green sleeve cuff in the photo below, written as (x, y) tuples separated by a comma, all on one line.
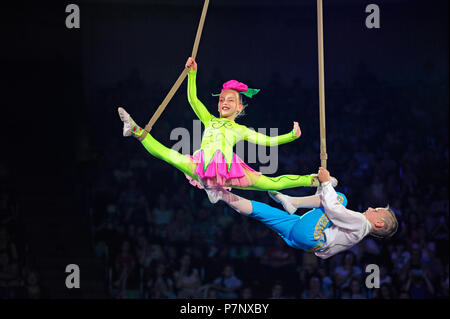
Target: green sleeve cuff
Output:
[(286, 138), (294, 137)]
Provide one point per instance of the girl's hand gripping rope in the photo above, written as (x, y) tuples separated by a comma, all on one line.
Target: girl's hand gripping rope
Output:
[(190, 63)]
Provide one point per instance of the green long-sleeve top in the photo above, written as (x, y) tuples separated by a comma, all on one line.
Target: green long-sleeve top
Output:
[(222, 134)]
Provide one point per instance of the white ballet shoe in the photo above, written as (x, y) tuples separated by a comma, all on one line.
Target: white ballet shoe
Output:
[(214, 193), (128, 122), (284, 200)]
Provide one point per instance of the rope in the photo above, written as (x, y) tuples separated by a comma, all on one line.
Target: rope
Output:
[(323, 141), (183, 74)]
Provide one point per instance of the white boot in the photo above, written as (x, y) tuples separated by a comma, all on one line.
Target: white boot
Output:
[(284, 200)]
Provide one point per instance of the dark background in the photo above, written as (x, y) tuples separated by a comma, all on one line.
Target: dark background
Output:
[(64, 160)]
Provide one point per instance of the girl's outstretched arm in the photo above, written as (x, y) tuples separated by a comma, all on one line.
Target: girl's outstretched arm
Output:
[(200, 110), (261, 139)]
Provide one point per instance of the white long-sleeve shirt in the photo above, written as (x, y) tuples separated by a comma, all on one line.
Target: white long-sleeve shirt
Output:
[(348, 229)]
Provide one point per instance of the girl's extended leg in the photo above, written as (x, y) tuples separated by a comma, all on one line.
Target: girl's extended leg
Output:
[(183, 163), (265, 183)]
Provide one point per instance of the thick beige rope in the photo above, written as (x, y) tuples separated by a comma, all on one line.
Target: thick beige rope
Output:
[(323, 141)]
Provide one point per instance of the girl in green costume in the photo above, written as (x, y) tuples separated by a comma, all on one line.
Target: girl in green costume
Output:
[(215, 163)]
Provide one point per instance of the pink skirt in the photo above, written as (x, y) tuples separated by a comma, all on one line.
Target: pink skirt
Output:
[(217, 173)]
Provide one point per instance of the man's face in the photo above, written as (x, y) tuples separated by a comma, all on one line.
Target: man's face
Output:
[(376, 216)]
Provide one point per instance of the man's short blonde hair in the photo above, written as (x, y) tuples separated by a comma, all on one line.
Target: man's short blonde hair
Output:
[(390, 225)]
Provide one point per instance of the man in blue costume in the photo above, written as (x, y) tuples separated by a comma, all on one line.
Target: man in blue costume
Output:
[(329, 228)]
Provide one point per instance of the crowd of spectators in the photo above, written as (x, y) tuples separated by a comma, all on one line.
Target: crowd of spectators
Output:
[(19, 275), (161, 238)]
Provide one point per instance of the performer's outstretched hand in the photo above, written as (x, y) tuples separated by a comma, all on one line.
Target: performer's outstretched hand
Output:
[(190, 63), (323, 175), (298, 132)]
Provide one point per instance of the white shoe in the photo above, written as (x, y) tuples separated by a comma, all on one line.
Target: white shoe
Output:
[(284, 200), (128, 122), (213, 194)]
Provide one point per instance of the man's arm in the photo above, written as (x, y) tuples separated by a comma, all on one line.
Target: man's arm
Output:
[(335, 211)]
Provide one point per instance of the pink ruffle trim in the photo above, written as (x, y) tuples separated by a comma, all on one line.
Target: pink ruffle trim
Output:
[(217, 173)]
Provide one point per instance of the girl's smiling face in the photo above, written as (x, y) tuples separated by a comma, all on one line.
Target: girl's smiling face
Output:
[(229, 104)]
